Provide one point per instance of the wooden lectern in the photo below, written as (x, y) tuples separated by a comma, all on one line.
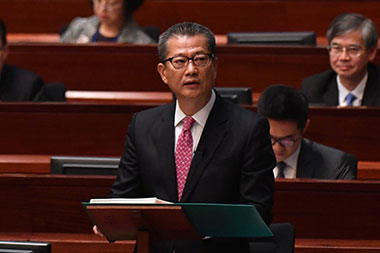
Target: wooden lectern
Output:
[(180, 221)]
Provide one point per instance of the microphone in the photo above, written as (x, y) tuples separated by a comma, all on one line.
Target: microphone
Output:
[(198, 152)]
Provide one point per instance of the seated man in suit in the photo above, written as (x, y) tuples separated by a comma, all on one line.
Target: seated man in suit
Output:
[(199, 148), (16, 84), (353, 80), (287, 112)]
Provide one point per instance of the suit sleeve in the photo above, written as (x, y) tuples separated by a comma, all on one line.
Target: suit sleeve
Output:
[(257, 182), (348, 167), (128, 183), (37, 93)]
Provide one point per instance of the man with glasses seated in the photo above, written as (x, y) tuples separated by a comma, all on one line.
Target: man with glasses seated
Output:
[(353, 80), (287, 112), (112, 22)]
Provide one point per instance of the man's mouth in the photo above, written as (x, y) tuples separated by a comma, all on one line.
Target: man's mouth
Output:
[(192, 82), (344, 68)]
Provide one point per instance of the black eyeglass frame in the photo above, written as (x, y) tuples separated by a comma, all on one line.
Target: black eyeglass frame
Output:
[(212, 57), (280, 141)]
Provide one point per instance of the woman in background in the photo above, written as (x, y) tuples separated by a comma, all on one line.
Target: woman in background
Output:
[(112, 22)]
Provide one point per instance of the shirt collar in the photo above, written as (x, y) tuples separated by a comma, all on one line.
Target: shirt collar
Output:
[(358, 91), (200, 117), (292, 162)]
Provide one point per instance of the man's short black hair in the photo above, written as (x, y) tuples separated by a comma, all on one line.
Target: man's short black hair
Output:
[(3, 33), (184, 29), (281, 102)]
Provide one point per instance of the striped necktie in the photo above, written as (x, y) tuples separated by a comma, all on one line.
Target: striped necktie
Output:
[(350, 98), (280, 169)]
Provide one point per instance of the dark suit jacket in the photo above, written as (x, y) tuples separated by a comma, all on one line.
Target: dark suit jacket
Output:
[(323, 162), (322, 89), (17, 84), (233, 162)]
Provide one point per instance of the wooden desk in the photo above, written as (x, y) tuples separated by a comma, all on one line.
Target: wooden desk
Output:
[(221, 16), (134, 68), (74, 242), (120, 97), (21, 163), (220, 39), (347, 129), (89, 243), (329, 209), (317, 208), (104, 67), (64, 129), (100, 129)]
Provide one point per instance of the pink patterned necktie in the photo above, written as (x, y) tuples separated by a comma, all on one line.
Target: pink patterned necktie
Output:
[(184, 154)]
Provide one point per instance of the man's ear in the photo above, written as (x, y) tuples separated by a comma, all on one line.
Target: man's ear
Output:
[(372, 53), (306, 126), (162, 71), (216, 63), (4, 55)]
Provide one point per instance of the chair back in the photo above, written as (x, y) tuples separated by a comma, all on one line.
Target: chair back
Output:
[(283, 240)]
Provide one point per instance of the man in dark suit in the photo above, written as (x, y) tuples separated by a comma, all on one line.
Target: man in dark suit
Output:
[(16, 84), (353, 80), (200, 148), (287, 112)]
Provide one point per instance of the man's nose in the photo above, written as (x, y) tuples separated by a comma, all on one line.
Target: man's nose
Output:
[(191, 67), (344, 55)]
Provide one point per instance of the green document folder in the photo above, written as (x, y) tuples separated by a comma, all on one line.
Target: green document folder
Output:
[(226, 220)]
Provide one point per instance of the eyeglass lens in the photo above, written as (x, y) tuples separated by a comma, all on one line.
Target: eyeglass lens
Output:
[(285, 142), (350, 50)]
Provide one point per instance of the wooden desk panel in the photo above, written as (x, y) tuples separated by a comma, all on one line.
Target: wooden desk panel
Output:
[(89, 243), (105, 67), (64, 129), (347, 129), (328, 209), (24, 163), (100, 130), (221, 16), (133, 68), (317, 208)]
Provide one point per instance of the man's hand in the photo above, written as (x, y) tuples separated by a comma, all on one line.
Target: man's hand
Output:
[(96, 231)]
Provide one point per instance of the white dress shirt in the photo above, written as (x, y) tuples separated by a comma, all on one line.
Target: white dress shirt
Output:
[(290, 171), (200, 121)]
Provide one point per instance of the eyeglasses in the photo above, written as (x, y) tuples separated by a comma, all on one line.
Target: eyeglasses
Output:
[(199, 60), (352, 51), (108, 6), (285, 142)]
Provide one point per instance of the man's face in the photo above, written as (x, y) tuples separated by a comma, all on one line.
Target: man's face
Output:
[(286, 137), (191, 81), (3, 55), (346, 64)]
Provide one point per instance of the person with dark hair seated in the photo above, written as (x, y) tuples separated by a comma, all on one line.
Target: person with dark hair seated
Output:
[(353, 79), (287, 112), (16, 84), (112, 22)]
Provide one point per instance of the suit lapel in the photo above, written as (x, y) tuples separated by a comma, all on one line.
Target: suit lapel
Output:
[(305, 167), (370, 87), (210, 140), (331, 97), (164, 137)]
